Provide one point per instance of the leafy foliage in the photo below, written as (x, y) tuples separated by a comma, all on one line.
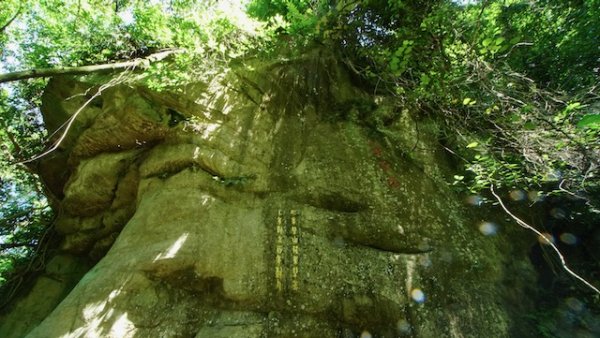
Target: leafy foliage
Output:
[(25, 213), (483, 70)]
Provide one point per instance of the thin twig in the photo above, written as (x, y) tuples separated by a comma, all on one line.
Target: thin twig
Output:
[(560, 187), (546, 239)]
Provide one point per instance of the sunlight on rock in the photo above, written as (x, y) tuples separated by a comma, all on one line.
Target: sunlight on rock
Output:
[(113, 294), (227, 108), (546, 238), (488, 228), (209, 129), (92, 329), (475, 200), (411, 264), (417, 295), (517, 195), (568, 238), (93, 310), (366, 334), (122, 327), (95, 315), (395, 258), (400, 229), (205, 199), (172, 251)]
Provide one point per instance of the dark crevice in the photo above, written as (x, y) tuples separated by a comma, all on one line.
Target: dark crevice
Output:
[(336, 203), (391, 250), (227, 181), (175, 117)]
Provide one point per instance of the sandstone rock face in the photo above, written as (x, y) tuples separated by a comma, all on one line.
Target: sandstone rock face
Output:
[(244, 207)]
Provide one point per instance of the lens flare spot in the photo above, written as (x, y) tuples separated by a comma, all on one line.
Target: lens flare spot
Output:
[(475, 200), (488, 228), (339, 241), (417, 295), (568, 238), (366, 334), (535, 196), (425, 261), (518, 195), (403, 326), (558, 213), (574, 304), (553, 175)]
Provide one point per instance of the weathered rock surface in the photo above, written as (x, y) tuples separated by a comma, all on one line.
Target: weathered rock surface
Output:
[(262, 214)]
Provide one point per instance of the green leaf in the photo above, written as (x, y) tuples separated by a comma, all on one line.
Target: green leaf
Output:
[(472, 145), (425, 80), (466, 101), (394, 64), (589, 121), (573, 106), (486, 42)]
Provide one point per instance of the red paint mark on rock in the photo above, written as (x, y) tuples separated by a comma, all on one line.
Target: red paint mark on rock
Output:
[(377, 151), (385, 166), (393, 182)]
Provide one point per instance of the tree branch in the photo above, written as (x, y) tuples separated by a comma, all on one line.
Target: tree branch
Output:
[(71, 119), (11, 19), (545, 239), (107, 67)]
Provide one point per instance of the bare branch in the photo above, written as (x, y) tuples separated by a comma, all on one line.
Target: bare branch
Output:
[(560, 187), (544, 238), (71, 120)]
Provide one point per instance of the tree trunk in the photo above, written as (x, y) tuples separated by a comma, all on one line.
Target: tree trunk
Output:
[(257, 206)]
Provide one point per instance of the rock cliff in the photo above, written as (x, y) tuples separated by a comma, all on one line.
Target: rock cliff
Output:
[(259, 204)]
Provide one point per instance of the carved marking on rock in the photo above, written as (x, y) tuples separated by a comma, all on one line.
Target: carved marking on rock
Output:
[(295, 249), (279, 253), (287, 251)]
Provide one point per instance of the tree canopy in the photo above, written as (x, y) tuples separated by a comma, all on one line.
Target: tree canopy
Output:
[(513, 84)]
